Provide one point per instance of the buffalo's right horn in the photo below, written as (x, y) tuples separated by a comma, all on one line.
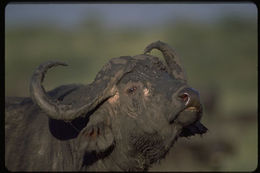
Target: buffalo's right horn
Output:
[(67, 112)]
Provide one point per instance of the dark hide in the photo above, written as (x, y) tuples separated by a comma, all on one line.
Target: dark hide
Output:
[(125, 120)]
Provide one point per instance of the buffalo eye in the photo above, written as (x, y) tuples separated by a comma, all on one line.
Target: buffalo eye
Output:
[(131, 90)]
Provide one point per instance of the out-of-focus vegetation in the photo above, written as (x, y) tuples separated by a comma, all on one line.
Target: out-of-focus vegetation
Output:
[(220, 59)]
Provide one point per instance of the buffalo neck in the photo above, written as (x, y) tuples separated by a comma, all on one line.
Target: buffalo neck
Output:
[(118, 160)]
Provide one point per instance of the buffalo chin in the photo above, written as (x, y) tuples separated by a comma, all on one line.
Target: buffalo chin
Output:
[(193, 129)]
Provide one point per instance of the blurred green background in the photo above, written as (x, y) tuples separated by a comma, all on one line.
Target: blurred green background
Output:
[(219, 54)]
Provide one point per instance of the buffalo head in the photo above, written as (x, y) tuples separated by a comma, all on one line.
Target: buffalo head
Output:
[(137, 108)]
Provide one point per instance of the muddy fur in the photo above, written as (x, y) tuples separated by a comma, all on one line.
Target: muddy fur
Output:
[(125, 120)]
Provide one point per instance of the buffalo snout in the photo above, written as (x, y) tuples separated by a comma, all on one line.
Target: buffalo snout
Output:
[(190, 107), (191, 98)]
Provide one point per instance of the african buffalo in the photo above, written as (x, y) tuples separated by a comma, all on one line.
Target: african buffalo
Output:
[(126, 119)]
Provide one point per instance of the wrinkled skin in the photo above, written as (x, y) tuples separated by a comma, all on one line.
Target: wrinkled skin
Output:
[(131, 128)]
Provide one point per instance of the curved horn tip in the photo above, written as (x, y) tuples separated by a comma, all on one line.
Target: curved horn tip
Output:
[(38, 94), (50, 64), (62, 63), (153, 45), (56, 63)]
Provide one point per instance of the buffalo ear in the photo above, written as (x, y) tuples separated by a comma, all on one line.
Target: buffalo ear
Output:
[(96, 137)]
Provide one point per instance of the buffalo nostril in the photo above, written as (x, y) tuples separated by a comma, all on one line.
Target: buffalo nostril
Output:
[(185, 98), (189, 97)]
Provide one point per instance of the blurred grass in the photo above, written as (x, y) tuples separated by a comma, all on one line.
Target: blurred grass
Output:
[(220, 55)]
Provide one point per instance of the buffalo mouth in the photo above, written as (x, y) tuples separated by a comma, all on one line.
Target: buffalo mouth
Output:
[(190, 118)]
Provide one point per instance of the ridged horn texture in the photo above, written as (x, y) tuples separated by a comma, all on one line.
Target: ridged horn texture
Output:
[(67, 112), (173, 62)]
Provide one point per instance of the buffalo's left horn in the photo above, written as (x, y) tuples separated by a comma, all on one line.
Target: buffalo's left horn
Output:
[(173, 62)]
